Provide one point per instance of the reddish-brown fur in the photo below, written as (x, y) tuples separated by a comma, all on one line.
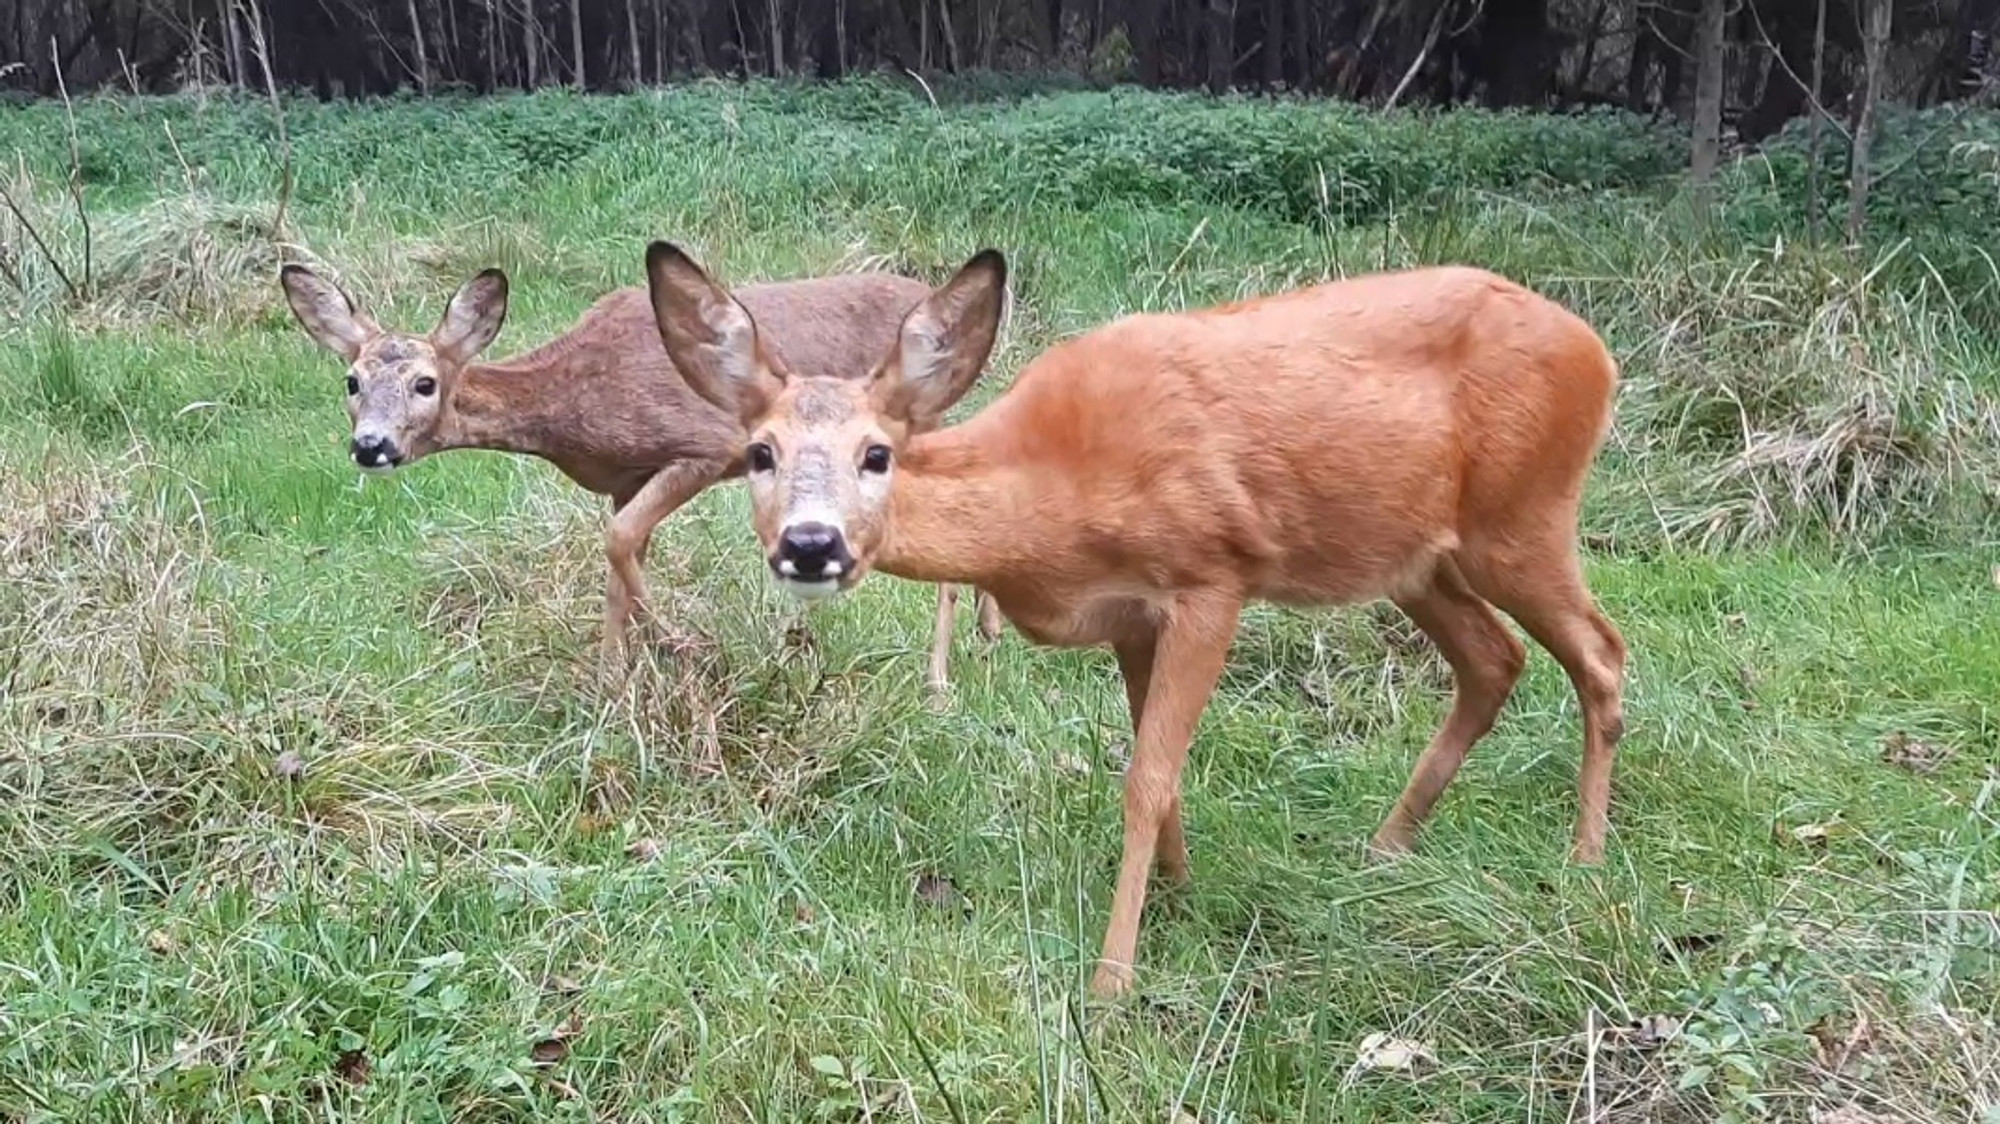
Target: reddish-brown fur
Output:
[(1422, 436), (602, 402)]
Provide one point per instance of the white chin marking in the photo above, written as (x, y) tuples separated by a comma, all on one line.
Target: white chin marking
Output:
[(811, 591), (379, 468)]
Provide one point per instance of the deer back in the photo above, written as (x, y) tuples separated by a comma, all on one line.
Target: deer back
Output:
[(605, 396), (1320, 445)]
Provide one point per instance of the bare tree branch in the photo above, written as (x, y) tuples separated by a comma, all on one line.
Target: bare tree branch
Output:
[(1875, 48), (35, 236), (262, 49)]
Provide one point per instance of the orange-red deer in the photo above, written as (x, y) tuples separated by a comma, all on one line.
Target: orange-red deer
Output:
[(602, 402), (1421, 436)]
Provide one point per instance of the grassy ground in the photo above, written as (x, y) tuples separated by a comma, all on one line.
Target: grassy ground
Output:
[(311, 811)]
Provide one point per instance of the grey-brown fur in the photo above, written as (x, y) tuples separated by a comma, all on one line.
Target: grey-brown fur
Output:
[(601, 402)]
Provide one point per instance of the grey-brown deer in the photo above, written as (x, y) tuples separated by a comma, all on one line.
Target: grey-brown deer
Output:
[(1422, 436), (603, 403)]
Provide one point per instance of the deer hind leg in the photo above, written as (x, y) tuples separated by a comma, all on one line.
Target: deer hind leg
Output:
[(1486, 661), (1187, 661), (938, 674), (1546, 593), (1135, 666), (630, 537), (990, 620)]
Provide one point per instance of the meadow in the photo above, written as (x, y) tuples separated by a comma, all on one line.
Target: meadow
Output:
[(312, 807)]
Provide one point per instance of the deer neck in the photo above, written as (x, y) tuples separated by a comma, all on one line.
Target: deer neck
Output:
[(499, 407), (965, 509)]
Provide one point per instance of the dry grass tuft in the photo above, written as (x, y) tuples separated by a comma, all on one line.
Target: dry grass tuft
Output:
[(1786, 395), (100, 601), (187, 255), (103, 627)]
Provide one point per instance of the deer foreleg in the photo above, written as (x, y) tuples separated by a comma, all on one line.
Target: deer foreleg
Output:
[(631, 532), (938, 674), (1187, 659)]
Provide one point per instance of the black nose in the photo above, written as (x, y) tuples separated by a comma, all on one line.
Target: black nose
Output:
[(371, 451), (811, 552)]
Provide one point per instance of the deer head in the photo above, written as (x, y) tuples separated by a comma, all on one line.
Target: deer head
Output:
[(398, 385), (822, 451)]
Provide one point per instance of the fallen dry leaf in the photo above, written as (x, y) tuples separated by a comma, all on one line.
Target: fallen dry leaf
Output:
[(1690, 944), (352, 1066), (161, 943), (1815, 834), (643, 850), (802, 912), (289, 766), (562, 985), (799, 636), (555, 1047), (1915, 754), (937, 891), (1071, 764), (1381, 1051), (1835, 1047), (1647, 1032), (609, 791)]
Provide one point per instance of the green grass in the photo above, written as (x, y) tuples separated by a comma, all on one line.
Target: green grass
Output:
[(714, 874)]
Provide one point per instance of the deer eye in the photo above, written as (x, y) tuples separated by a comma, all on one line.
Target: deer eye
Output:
[(876, 459), (353, 386), (425, 386), (761, 458)]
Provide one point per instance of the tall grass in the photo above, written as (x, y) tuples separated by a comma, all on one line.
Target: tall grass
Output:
[(313, 808)]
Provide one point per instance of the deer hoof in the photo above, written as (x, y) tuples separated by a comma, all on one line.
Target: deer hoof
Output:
[(938, 695), (1112, 982), (1390, 844), (1586, 853)]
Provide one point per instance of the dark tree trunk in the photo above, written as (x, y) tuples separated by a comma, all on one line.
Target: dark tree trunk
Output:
[(1960, 68), (1274, 43), (576, 44), (1516, 53), (1875, 48), (1221, 25), (1708, 92), (1142, 25)]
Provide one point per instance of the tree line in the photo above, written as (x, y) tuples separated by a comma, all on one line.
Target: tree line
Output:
[(1763, 62)]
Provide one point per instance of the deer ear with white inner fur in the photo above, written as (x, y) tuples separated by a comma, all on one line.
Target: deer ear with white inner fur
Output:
[(709, 335), (944, 343), (325, 312), (473, 317)]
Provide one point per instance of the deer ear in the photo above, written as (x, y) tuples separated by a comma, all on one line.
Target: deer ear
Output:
[(473, 317), (944, 344), (709, 335), (325, 312)]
